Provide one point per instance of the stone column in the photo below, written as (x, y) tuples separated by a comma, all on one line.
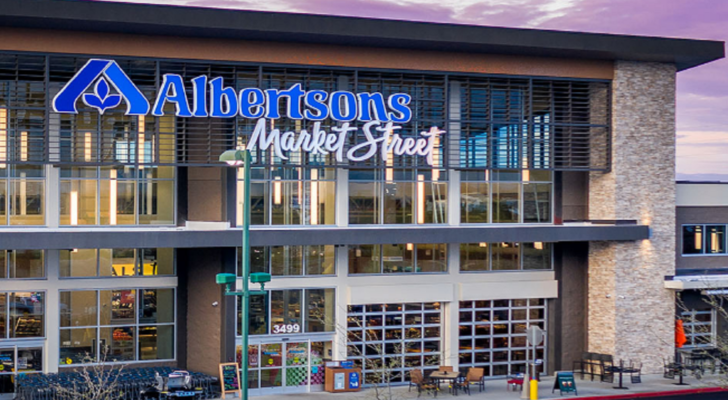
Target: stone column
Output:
[(630, 313)]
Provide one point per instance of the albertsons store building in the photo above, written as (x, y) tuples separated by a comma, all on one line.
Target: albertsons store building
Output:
[(435, 188)]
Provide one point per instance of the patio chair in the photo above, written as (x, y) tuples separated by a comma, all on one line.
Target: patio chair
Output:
[(668, 368), (635, 374), (606, 363), (421, 383), (476, 376), (461, 383)]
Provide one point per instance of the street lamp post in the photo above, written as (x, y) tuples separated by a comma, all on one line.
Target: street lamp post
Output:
[(237, 158)]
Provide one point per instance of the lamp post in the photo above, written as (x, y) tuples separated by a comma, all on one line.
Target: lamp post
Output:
[(237, 158)]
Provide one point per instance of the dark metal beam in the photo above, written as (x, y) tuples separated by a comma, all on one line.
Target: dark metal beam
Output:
[(97, 16), (149, 238)]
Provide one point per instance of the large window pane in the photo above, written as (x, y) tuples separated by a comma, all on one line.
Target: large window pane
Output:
[(258, 315), (474, 202), (117, 343), (364, 259), (397, 258), (27, 314), (536, 255), (506, 199), (117, 202), (435, 202), (287, 207), (431, 258), (287, 260), (397, 204), (474, 257), (156, 261), (78, 346), (156, 202), (156, 342), (30, 360), (78, 262), (26, 264), (536, 202), (78, 308), (363, 203), (3, 264), (78, 202), (320, 310), (506, 256), (285, 309), (117, 262), (320, 260), (117, 306), (692, 239), (157, 306), (3, 316), (258, 203), (27, 206), (715, 239), (321, 203), (3, 200)]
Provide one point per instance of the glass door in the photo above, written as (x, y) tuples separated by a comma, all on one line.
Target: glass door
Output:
[(287, 367), (14, 360)]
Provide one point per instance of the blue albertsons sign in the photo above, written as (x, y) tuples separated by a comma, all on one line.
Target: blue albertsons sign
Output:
[(211, 98)]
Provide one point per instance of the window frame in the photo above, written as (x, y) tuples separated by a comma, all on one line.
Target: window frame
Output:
[(490, 259), (136, 325), (414, 271), (704, 240), (138, 254)]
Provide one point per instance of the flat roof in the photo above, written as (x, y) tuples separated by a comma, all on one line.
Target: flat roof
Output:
[(90, 16)]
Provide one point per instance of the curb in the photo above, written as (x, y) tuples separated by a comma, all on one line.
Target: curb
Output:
[(659, 394)]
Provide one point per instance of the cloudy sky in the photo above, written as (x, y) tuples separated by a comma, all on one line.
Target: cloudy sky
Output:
[(702, 117)]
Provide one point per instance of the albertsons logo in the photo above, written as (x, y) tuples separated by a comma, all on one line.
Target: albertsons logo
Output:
[(102, 72)]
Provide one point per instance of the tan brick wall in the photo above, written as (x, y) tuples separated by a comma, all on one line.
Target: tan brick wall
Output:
[(631, 314)]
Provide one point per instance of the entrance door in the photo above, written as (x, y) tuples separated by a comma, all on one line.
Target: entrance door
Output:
[(16, 360), (287, 367)]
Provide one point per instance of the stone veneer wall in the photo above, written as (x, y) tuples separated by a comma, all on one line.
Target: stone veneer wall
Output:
[(630, 313)]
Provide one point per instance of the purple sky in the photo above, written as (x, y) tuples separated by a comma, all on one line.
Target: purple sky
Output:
[(702, 109)]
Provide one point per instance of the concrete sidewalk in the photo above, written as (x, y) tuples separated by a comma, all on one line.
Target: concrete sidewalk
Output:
[(497, 390)]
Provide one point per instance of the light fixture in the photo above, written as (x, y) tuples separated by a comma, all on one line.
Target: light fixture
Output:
[(389, 172), (277, 196), (232, 157), (698, 240), (483, 244), (314, 197), (526, 175), (74, 251), (538, 245), (3, 136), (87, 147), (487, 175), (112, 197), (410, 247), (420, 199), (715, 242), (74, 207), (23, 146), (435, 157), (141, 141)]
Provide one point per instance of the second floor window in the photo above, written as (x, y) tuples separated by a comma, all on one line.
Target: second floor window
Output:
[(704, 239)]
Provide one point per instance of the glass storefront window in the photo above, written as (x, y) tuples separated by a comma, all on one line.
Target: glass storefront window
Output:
[(25, 264), (392, 196), (505, 256), (404, 336), (25, 196), (117, 325), (506, 196), (292, 311), (397, 258), (27, 314), (291, 260), (78, 263), (117, 196), (290, 196), (493, 334)]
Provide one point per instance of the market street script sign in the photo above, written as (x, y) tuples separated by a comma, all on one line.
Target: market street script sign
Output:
[(212, 99)]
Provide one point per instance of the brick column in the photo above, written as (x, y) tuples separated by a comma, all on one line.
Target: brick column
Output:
[(631, 314)]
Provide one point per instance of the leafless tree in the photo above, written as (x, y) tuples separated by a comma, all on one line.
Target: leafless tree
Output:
[(97, 380)]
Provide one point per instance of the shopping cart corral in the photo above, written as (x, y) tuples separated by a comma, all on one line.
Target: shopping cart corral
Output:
[(132, 384)]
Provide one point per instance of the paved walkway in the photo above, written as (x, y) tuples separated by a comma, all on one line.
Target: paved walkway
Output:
[(497, 390)]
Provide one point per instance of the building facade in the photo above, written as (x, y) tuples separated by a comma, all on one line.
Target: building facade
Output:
[(427, 190), (701, 261)]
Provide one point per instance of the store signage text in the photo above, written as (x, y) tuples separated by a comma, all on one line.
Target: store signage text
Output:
[(212, 99), (283, 328)]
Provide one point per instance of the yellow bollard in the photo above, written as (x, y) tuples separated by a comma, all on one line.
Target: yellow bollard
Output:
[(534, 389)]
